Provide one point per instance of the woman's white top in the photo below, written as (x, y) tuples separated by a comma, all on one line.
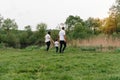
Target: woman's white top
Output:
[(47, 38)]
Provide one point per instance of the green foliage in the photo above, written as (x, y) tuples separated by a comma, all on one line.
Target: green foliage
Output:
[(94, 24), (9, 24), (116, 35), (117, 50), (72, 20), (23, 37), (88, 48), (110, 25), (2, 45), (28, 30), (1, 21), (13, 41), (41, 26), (10, 40), (29, 48), (118, 27), (40, 34), (79, 29), (54, 34), (80, 32), (115, 15), (97, 48)]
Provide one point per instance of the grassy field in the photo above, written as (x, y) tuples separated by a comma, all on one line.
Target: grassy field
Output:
[(74, 64)]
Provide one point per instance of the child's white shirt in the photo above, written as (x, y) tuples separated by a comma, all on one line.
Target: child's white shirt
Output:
[(56, 43)]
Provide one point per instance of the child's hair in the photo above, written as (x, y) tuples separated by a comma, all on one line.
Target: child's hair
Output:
[(56, 39)]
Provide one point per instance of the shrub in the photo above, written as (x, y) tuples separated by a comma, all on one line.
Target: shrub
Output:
[(88, 48)]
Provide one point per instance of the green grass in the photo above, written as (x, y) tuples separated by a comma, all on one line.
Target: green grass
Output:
[(37, 64)]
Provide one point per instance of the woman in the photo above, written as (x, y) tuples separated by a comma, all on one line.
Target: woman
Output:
[(47, 40)]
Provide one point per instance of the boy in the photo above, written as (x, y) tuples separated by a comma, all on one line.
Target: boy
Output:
[(56, 45)]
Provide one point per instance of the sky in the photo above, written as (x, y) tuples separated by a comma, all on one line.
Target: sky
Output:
[(52, 12)]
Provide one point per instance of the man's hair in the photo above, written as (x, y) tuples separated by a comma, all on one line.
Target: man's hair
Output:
[(63, 28)]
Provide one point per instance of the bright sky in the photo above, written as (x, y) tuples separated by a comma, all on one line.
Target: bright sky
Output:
[(52, 12)]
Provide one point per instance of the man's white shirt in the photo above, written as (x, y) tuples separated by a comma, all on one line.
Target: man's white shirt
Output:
[(61, 35), (47, 38)]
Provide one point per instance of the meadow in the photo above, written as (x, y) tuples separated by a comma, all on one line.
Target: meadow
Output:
[(73, 64)]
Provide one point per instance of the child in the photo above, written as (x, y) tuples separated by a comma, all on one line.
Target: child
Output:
[(56, 45)]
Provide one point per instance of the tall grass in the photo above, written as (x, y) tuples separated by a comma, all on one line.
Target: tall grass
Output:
[(105, 42)]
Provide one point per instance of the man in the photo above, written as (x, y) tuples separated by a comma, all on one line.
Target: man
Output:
[(62, 38)]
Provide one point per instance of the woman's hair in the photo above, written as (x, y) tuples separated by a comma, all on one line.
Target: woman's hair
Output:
[(49, 32)]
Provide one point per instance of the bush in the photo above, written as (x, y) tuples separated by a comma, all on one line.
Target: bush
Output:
[(2, 45), (88, 48), (117, 50), (32, 47)]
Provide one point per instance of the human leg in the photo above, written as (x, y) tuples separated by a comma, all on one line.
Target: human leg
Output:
[(61, 42), (56, 49), (48, 45), (64, 43)]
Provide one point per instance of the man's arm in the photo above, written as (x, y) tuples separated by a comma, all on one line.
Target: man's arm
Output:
[(65, 38)]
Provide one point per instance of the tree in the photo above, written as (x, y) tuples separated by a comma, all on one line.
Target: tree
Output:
[(93, 23), (29, 35), (41, 31), (115, 15), (72, 20), (11, 38), (80, 31), (28, 30), (1, 21), (41, 26), (9, 24), (109, 26)]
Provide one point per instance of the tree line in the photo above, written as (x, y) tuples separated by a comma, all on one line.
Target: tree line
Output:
[(76, 28)]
